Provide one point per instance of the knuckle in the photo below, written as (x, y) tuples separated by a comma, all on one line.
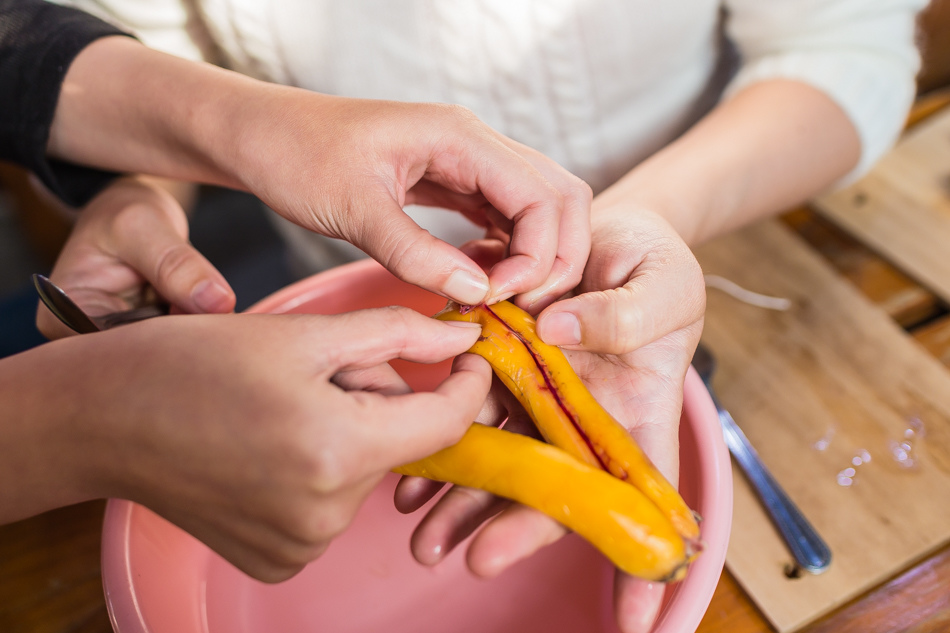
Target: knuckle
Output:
[(404, 322), (573, 277), (313, 529), (408, 256), (460, 112), (127, 219), (580, 191), (276, 571), (624, 327), (173, 261), (326, 472), (264, 561)]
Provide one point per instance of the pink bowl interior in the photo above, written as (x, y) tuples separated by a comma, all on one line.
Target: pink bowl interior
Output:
[(158, 579)]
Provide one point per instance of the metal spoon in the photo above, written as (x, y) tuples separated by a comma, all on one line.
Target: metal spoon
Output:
[(66, 310), (806, 545)]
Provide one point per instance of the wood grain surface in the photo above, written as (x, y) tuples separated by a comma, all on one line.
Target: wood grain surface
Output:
[(901, 209), (49, 565), (50, 579), (833, 364)]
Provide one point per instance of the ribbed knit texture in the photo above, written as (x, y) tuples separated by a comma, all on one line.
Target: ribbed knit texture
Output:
[(597, 86), (860, 53)]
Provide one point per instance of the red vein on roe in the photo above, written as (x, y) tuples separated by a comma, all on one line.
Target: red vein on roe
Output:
[(551, 387)]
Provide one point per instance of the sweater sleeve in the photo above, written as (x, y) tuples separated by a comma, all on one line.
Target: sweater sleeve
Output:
[(170, 26), (861, 53), (38, 42)]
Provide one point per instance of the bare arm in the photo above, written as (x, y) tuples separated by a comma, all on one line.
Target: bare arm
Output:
[(128, 108), (232, 427), (340, 167), (773, 145)]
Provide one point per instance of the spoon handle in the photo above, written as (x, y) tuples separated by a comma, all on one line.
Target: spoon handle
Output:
[(806, 545)]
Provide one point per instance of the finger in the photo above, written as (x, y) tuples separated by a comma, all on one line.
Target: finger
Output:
[(474, 206), (454, 517), (411, 493), (49, 325), (367, 338), (412, 254), (414, 492), (637, 603), (149, 242), (380, 379), (657, 427), (508, 176), (656, 301), (514, 535), (95, 281), (568, 268), (404, 428), (574, 235), (485, 252)]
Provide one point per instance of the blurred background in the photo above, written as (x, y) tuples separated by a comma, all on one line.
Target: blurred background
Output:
[(232, 230)]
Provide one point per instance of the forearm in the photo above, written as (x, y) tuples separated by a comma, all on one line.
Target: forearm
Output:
[(39, 438), (771, 146), (125, 107)]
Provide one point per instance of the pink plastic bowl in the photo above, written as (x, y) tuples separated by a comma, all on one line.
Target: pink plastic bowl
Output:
[(158, 579)]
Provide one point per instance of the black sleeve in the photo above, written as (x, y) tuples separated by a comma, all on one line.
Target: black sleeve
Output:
[(38, 42)]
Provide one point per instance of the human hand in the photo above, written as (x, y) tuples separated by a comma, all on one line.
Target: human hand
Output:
[(639, 316), (130, 241), (233, 426), (345, 168), (339, 166)]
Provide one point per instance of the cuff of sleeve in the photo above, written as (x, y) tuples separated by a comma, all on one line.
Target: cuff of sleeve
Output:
[(74, 184), (876, 93)]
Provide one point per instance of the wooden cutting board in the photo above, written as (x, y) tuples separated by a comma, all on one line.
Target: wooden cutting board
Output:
[(834, 367), (901, 208)]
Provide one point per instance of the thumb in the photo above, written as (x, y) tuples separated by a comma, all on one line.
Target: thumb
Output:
[(164, 257), (411, 253), (621, 320)]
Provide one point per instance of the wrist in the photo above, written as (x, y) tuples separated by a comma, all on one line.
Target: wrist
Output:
[(125, 107), (250, 133), (639, 192), (230, 125), (45, 458)]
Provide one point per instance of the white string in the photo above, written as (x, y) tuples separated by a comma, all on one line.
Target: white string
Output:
[(747, 296)]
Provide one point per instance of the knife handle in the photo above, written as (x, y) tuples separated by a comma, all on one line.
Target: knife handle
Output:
[(806, 545)]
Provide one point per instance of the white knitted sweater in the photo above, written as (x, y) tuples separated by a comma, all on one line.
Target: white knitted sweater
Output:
[(597, 85)]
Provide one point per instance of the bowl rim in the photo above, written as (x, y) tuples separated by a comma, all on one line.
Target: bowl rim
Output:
[(692, 596)]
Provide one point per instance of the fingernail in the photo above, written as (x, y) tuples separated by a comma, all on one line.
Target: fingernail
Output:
[(466, 288), (504, 296), (560, 328), (466, 324), (211, 296)]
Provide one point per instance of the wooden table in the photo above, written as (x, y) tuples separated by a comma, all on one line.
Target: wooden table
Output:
[(49, 565), (50, 579), (918, 599)]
